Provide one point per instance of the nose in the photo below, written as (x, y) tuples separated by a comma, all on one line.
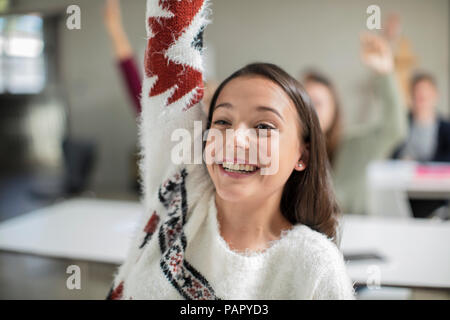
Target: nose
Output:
[(237, 141), (241, 138)]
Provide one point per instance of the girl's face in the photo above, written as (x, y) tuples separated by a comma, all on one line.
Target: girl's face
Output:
[(424, 98), (323, 102), (244, 107)]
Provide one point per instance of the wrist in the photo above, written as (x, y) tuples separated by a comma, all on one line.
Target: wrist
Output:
[(115, 29), (122, 49)]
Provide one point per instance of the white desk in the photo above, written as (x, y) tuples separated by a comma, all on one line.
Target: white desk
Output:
[(95, 230), (391, 183), (417, 251)]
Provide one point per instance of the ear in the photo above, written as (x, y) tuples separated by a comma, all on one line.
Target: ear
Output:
[(303, 162)]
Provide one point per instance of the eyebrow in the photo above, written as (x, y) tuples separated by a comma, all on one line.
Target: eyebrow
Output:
[(260, 108)]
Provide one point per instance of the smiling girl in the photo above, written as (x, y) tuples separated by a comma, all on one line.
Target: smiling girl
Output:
[(226, 229)]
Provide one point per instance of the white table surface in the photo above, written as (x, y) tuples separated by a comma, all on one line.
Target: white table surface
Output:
[(84, 229), (417, 251)]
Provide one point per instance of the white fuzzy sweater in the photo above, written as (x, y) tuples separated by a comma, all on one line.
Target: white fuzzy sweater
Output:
[(177, 251)]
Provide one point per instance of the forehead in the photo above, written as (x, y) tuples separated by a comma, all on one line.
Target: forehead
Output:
[(255, 91), (318, 88), (424, 84)]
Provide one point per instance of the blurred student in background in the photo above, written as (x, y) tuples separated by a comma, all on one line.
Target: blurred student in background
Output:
[(351, 149), (429, 133), (428, 138)]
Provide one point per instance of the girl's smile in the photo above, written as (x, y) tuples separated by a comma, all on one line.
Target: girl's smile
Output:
[(237, 171)]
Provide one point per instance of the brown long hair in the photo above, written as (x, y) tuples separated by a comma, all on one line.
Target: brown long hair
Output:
[(308, 196), (333, 134)]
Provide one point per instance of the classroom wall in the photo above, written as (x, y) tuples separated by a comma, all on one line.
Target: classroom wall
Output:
[(100, 109), (292, 33), (324, 34)]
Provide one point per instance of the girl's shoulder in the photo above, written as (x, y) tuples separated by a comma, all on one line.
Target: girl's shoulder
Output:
[(315, 248)]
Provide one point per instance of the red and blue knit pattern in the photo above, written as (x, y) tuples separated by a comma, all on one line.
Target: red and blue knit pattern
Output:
[(167, 31)]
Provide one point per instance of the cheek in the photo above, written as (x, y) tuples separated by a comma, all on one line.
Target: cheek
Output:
[(326, 118), (209, 153), (213, 148), (325, 115), (278, 155), (268, 150), (289, 153), (322, 120)]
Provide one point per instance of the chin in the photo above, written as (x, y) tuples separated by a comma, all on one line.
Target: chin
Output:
[(232, 194)]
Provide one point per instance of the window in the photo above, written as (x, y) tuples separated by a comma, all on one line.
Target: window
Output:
[(22, 61)]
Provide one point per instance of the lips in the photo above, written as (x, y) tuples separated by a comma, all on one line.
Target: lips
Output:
[(227, 169)]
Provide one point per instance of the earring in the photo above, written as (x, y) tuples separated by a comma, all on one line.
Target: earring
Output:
[(300, 165)]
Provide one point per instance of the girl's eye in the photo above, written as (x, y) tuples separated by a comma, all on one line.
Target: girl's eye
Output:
[(264, 126), (221, 122)]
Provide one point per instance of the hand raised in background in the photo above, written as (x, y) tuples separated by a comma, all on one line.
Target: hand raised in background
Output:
[(112, 18), (376, 53)]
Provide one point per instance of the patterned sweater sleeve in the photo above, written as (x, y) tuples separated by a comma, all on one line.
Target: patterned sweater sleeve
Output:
[(172, 86), (172, 89)]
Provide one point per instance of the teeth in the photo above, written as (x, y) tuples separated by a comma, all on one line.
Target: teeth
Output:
[(238, 167)]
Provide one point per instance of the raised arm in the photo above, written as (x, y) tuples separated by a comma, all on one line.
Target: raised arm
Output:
[(123, 52), (172, 86), (390, 128), (171, 91)]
